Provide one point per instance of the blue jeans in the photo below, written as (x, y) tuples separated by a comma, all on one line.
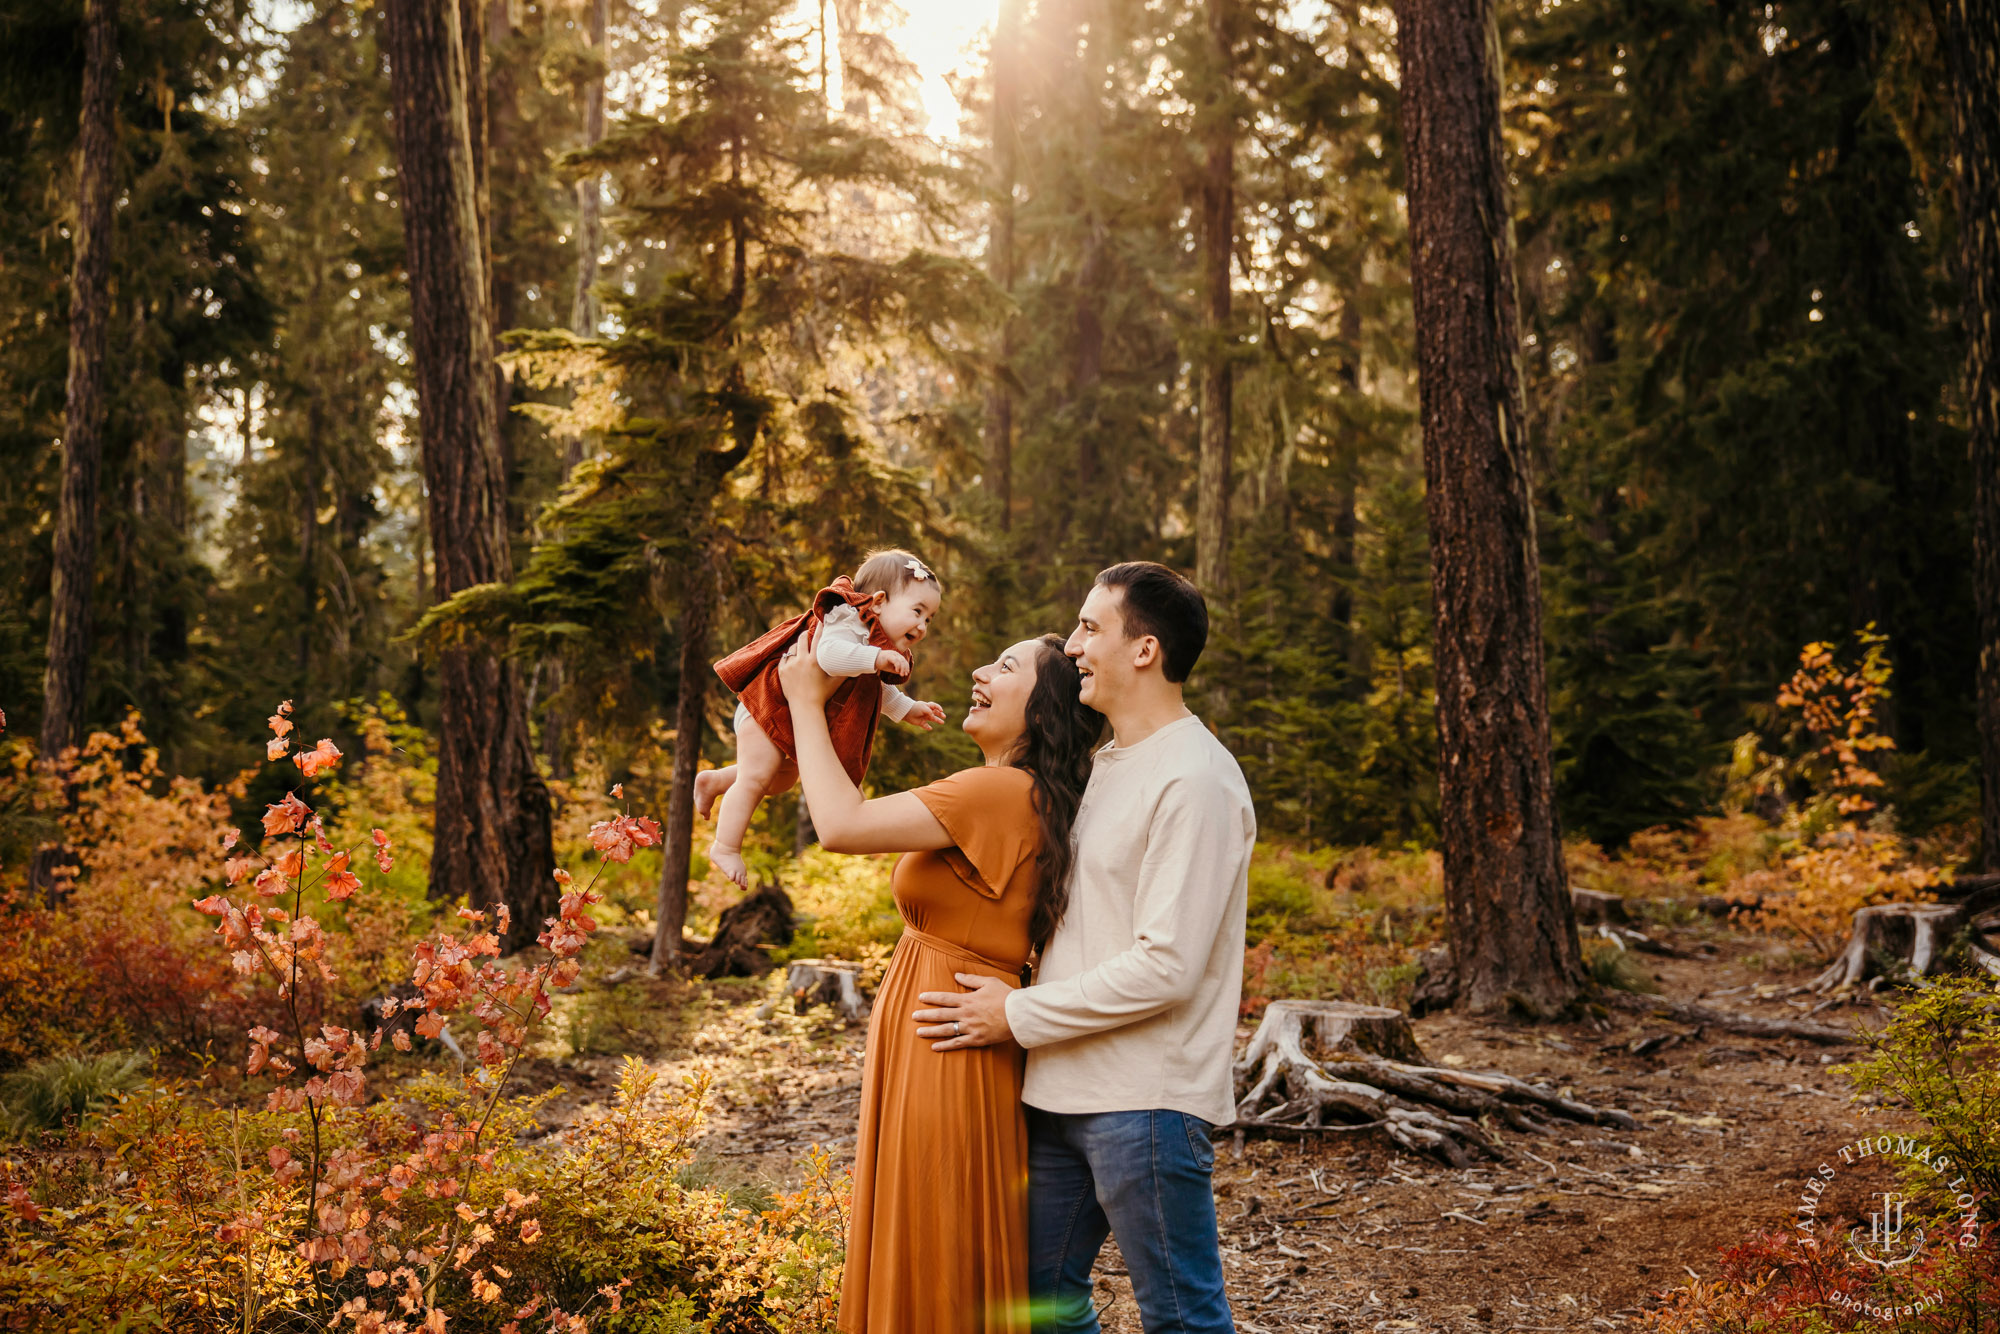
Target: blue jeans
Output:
[(1143, 1177)]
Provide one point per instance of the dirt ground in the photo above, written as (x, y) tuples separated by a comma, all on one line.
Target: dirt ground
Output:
[(1346, 1233)]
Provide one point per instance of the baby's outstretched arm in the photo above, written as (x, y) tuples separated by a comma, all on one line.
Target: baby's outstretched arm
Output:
[(900, 708)]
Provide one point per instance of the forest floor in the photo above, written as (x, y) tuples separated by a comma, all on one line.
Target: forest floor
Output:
[(1580, 1231)]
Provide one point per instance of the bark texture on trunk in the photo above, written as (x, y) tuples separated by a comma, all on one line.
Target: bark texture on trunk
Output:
[(493, 840), (690, 710), (1513, 930), (1970, 34), (1000, 254), (1218, 239), (589, 190), (66, 678)]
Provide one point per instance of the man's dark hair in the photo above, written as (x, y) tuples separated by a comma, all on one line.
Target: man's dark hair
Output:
[(1165, 605)]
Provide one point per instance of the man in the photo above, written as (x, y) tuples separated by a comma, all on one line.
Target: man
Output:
[(1131, 1024)]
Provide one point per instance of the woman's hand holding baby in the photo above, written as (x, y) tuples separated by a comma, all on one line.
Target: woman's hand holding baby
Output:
[(892, 662), (805, 682)]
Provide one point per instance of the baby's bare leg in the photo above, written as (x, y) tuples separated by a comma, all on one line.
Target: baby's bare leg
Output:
[(758, 762), (710, 784)]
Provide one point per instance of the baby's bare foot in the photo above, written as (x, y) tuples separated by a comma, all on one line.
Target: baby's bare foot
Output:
[(729, 861), (709, 785)]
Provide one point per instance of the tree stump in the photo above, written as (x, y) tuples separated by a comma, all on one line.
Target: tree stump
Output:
[(747, 925), (835, 981), (1594, 906), (1331, 1066), (1914, 934)]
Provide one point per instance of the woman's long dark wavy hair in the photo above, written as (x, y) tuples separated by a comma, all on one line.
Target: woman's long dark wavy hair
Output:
[(1056, 747)]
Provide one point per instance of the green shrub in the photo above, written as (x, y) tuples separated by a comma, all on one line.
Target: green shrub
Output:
[(1613, 967), (66, 1090), (1940, 1057), (844, 905)]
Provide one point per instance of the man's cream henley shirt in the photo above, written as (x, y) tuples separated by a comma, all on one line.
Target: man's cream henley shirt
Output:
[(1135, 1003)]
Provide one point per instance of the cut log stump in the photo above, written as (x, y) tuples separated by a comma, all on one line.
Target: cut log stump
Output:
[(834, 981), (1912, 935), (1594, 906), (1329, 1066)]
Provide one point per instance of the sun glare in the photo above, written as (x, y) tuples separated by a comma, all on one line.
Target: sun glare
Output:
[(943, 37)]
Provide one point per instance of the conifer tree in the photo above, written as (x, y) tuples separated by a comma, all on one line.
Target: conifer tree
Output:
[(493, 840), (1512, 928), (1218, 242), (734, 346), (1004, 75), (66, 678), (1970, 36)]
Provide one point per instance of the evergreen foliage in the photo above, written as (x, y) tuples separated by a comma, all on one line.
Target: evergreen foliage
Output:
[(1741, 361)]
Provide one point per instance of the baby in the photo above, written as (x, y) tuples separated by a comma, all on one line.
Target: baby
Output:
[(866, 629)]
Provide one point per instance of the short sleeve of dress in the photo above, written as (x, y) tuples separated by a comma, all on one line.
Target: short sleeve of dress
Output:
[(990, 815)]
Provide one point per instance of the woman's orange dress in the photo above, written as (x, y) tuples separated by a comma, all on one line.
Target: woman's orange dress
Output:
[(938, 1239)]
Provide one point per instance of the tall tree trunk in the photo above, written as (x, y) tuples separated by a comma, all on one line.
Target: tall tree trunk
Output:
[(308, 541), (1218, 239), (711, 470), (502, 118), (1087, 360), (65, 680), (690, 710), (1000, 253), (1513, 931), (1970, 32), (493, 839), (1088, 363), (583, 323), (590, 190)]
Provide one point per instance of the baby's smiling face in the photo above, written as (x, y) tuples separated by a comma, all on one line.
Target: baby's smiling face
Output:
[(906, 615)]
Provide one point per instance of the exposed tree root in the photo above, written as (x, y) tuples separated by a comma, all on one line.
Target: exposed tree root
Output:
[(1321, 1066)]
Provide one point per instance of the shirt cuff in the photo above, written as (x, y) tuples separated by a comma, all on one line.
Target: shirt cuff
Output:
[(1022, 1021)]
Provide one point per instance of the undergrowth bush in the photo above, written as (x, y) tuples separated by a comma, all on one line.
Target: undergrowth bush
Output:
[(64, 1090), (428, 1207), (1338, 925), (845, 909), (132, 969), (1939, 1057)]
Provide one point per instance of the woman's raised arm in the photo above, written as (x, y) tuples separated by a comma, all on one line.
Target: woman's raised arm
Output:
[(843, 821)]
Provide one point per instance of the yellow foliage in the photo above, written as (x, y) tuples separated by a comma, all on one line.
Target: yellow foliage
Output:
[(1814, 894)]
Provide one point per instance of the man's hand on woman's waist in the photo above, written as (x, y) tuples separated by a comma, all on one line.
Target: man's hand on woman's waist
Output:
[(975, 1018)]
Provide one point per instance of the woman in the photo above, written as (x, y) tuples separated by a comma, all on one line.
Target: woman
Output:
[(937, 1241)]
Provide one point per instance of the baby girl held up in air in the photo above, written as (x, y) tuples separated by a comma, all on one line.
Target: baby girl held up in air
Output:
[(866, 629)]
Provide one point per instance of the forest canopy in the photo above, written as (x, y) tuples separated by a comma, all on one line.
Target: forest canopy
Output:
[(758, 311)]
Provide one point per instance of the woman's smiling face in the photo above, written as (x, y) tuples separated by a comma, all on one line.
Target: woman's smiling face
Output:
[(999, 715)]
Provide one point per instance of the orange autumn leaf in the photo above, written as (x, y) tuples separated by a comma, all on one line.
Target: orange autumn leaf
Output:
[(287, 816), (321, 757), (341, 883)]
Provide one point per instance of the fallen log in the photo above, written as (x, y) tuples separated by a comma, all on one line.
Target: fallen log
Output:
[(1334, 1066), (1747, 1024), (834, 981)]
